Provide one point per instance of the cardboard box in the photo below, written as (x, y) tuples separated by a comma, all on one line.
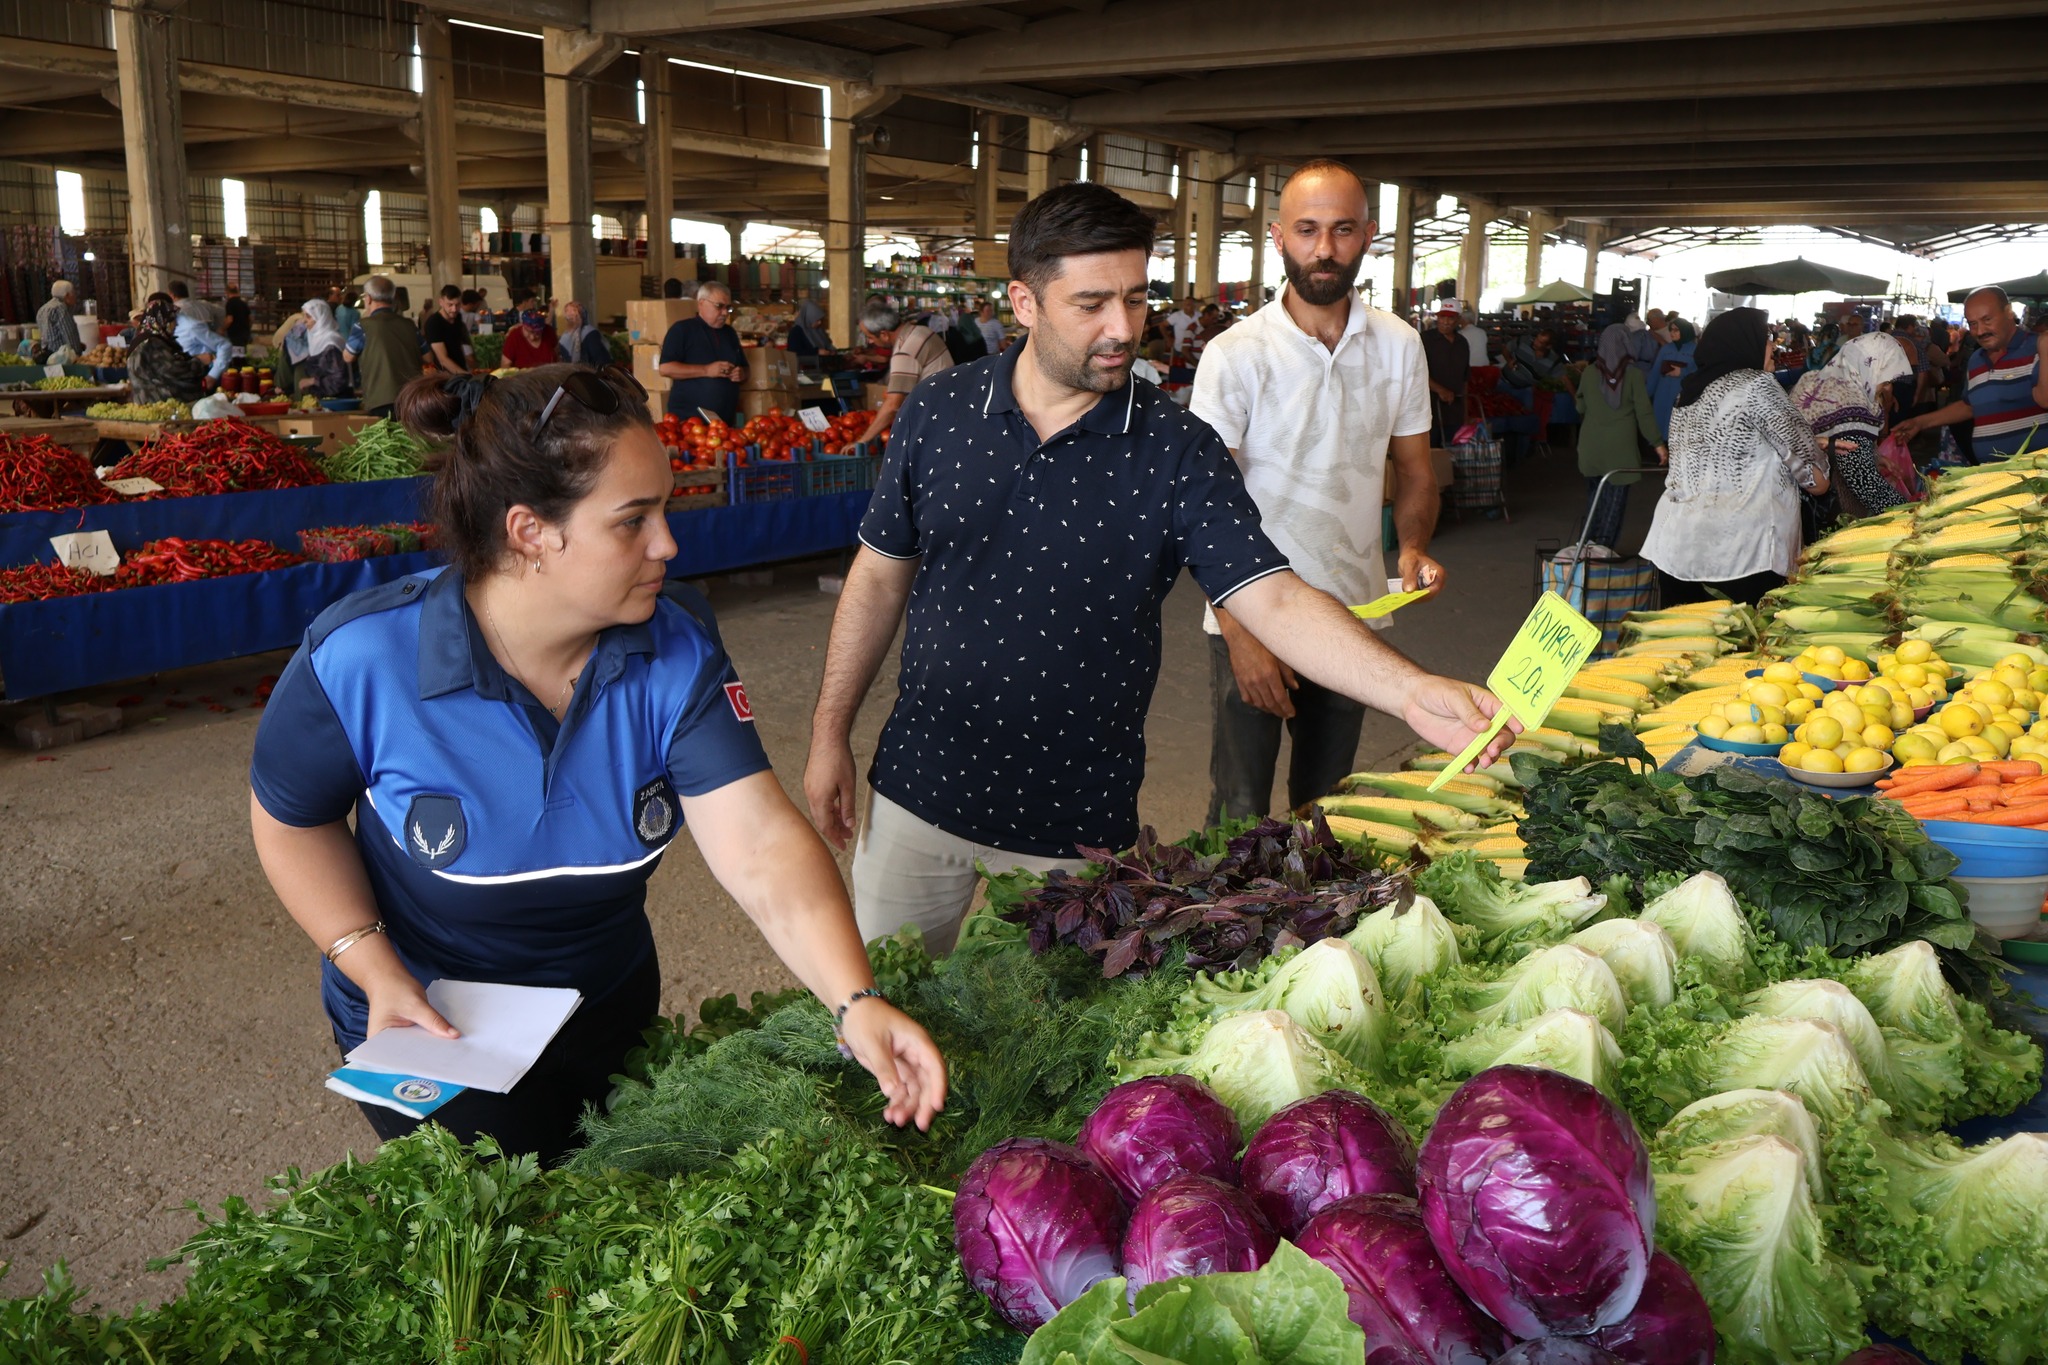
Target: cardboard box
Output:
[(646, 368), (657, 404), (756, 402), (648, 320), (871, 395), (1439, 464), (770, 367), (333, 428)]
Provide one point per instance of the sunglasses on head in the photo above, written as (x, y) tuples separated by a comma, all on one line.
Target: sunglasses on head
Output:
[(592, 389)]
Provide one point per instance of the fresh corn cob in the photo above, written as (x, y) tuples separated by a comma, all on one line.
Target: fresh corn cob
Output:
[(1402, 811), (1672, 737), (1475, 784), (1968, 537), (1706, 646), (1562, 741), (1619, 691), (1499, 846), (1586, 717), (1647, 673), (1474, 796), (1983, 653), (1384, 838)]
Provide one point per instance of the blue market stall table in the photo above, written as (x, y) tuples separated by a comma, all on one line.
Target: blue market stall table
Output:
[(67, 643)]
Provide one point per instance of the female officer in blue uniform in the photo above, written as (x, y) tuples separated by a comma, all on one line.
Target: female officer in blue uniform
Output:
[(519, 737)]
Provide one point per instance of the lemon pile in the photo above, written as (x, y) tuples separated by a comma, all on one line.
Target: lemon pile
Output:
[(1991, 717)]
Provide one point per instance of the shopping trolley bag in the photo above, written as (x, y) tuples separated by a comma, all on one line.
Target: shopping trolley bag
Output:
[(1603, 590), (1475, 469)]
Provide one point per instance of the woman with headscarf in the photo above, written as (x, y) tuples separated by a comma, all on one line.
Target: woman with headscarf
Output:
[(1728, 523), (1847, 405), (314, 344), (1674, 362), (581, 343), (532, 343), (158, 369), (1614, 407)]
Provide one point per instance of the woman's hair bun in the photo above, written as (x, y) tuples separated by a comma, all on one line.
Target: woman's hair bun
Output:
[(432, 406)]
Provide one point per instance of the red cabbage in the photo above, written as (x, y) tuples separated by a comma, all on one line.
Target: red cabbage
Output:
[(1322, 1149), (1147, 1131), (1193, 1225), (1036, 1226), (1401, 1295), (1558, 1351), (1536, 1190), (1671, 1324)]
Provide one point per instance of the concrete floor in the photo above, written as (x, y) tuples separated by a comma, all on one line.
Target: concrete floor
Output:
[(161, 1039)]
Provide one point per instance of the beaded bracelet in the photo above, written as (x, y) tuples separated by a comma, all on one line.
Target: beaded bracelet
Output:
[(839, 1017)]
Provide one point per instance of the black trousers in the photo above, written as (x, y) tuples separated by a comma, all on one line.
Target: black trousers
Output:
[(1676, 592), (540, 1113), (1244, 743)]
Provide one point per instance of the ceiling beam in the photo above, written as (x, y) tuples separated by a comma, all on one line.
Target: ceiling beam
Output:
[(2017, 108), (1679, 158), (773, 55), (1945, 56), (1166, 36), (654, 17)]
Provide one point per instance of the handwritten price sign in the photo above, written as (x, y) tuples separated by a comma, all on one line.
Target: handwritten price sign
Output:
[(1552, 645)]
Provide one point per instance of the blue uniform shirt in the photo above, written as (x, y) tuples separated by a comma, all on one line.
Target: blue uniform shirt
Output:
[(1032, 636), (499, 845)]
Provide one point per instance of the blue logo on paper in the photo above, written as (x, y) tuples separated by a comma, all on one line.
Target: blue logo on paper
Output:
[(416, 1090), (435, 831)]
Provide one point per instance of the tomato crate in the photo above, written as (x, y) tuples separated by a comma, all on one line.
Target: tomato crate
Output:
[(748, 478), (840, 473)]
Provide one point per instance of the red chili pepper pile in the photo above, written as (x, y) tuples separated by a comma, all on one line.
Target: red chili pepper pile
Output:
[(40, 582), (174, 560), (220, 457), (38, 475)]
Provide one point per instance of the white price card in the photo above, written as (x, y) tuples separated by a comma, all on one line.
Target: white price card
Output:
[(92, 551), (708, 415), (53, 371), (815, 419), (129, 488)]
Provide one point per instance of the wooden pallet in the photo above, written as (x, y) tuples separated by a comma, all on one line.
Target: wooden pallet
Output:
[(79, 433)]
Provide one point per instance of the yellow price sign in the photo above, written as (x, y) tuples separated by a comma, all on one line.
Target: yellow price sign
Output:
[(1539, 663), (1388, 605)]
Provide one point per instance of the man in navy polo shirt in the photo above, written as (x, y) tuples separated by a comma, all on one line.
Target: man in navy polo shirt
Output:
[(2006, 389), (1033, 511)]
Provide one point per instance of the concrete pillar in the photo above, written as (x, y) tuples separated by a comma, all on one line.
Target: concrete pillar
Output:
[(737, 274), (1596, 237), (437, 151), (153, 137), (846, 274), (309, 222), (1540, 223), (1042, 142), (1404, 251), (658, 159), (1210, 166), (1183, 224), (989, 255), (1472, 256), (352, 233), (570, 57), (1266, 211)]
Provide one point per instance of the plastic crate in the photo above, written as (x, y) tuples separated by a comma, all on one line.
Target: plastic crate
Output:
[(748, 478), (840, 473)]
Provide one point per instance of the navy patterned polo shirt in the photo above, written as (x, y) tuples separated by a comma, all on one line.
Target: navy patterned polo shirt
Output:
[(1032, 641)]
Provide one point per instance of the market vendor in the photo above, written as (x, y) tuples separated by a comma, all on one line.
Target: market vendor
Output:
[(314, 344), (385, 346), (158, 369), (519, 737), (198, 333), (444, 336), (56, 328), (1450, 367), (581, 343), (916, 353), (703, 359), (2006, 400), (533, 343), (1032, 513)]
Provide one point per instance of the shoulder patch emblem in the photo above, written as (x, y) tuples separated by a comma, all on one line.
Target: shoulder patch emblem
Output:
[(655, 809), (435, 831), (736, 693)]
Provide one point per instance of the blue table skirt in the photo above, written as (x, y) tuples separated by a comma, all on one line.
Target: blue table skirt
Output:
[(275, 515), (74, 642)]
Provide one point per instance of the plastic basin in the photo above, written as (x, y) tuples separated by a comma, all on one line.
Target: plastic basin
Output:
[(1989, 851), (2006, 907)]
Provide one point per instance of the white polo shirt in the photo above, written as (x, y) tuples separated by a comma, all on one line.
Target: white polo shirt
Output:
[(1311, 427)]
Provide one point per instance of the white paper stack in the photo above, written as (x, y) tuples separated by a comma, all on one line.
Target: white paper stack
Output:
[(504, 1030)]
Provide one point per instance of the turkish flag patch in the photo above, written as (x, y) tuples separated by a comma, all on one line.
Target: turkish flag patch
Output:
[(736, 693)]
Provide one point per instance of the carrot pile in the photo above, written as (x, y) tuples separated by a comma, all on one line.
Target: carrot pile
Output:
[(2012, 792)]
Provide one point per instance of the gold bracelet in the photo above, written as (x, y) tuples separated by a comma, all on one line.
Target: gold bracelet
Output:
[(350, 940)]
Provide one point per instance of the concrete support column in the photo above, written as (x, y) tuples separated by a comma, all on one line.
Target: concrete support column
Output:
[(358, 249), (437, 151), (1266, 212), (1183, 223), (570, 57), (658, 159), (737, 274), (1472, 257), (153, 137), (846, 264), (1540, 223), (1211, 167), (1043, 143), (1596, 237), (1404, 251), (988, 253)]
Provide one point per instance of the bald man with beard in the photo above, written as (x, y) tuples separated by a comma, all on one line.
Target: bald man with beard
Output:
[(1315, 395)]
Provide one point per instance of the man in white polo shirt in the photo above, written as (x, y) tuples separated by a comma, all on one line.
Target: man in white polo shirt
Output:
[(1314, 393)]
